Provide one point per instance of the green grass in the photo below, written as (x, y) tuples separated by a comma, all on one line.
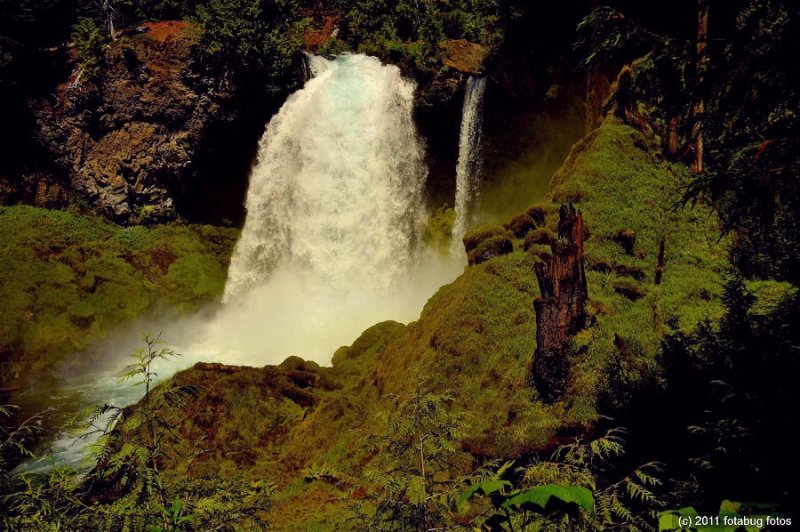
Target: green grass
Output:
[(68, 280)]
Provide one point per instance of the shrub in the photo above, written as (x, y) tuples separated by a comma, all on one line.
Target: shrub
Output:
[(255, 39), (88, 40)]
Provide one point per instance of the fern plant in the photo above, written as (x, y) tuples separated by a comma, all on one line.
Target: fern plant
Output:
[(133, 443), (626, 503), (570, 491), (420, 435)]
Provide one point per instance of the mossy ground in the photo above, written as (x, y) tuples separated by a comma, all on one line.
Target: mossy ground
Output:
[(69, 279), (476, 336)]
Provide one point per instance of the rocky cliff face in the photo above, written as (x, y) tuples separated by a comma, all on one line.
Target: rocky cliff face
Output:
[(129, 144)]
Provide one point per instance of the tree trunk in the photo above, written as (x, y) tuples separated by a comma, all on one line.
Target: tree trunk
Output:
[(560, 310), (598, 87), (702, 67), (673, 138)]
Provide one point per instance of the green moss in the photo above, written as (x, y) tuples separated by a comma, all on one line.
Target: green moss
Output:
[(476, 336), (539, 237), (491, 247), (68, 279), (521, 225), (473, 238), (439, 230)]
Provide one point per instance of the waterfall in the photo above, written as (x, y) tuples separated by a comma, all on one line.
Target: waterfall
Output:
[(469, 157), (337, 188), (331, 241)]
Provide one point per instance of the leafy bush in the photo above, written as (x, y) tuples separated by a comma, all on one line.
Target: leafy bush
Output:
[(573, 490), (420, 436), (88, 40), (257, 39)]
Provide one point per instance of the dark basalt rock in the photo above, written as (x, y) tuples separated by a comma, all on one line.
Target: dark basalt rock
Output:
[(560, 310), (144, 143)]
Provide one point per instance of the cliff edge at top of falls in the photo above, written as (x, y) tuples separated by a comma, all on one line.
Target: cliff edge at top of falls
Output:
[(153, 137), (158, 136), (475, 340)]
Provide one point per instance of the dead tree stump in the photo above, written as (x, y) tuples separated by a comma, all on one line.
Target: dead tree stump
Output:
[(561, 307)]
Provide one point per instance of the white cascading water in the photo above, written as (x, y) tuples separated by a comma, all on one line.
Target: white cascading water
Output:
[(469, 158), (330, 245), (335, 209), (337, 189)]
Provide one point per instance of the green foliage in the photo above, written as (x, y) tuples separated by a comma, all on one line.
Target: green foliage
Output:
[(752, 133), (438, 233), (51, 503), (486, 487), (573, 490), (89, 42), (413, 30), (15, 438), (174, 517), (136, 465), (544, 498), (727, 385), (333, 47), (420, 437), (69, 279), (257, 39)]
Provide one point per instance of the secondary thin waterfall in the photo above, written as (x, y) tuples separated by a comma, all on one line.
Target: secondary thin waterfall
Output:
[(469, 157), (335, 209)]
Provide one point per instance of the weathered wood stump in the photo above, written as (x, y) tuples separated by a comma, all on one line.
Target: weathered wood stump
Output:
[(560, 310)]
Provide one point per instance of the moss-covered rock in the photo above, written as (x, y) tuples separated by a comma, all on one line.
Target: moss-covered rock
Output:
[(473, 238), (539, 237), (494, 246), (67, 280), (521, 225)]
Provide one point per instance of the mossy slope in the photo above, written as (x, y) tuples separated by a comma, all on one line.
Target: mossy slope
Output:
[(476, 336), (69, 279)]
